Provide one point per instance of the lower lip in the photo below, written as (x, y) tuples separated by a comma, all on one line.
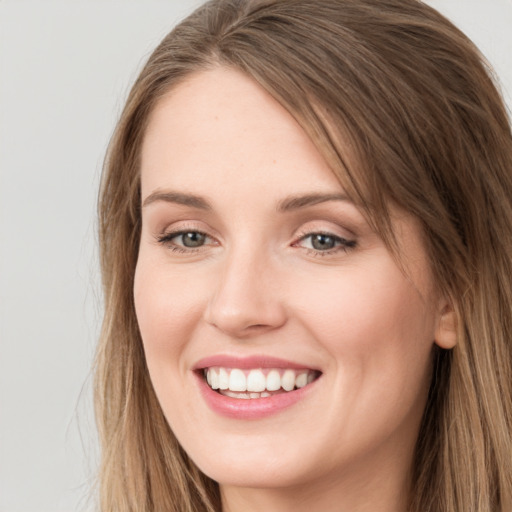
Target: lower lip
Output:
[(252, 408)]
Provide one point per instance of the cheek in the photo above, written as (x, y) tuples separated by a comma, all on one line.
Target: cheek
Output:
[(168, 308), (378, 333), (364, 301), (374, 323)]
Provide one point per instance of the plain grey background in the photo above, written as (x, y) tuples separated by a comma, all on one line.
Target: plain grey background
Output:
[(65, 70)]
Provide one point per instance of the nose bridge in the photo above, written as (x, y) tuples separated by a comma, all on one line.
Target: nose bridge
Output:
[(246, 299)]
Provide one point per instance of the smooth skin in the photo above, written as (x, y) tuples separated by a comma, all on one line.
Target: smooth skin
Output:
[(230, 263)]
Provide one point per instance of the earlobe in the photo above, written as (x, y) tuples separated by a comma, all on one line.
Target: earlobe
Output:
[(446, 331)]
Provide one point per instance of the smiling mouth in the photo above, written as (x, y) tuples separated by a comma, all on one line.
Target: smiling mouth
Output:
[(257, 383)]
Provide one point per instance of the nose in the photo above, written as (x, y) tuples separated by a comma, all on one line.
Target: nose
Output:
[(247, 299)]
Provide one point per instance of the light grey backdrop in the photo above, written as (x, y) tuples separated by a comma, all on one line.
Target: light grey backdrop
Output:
[(65, 69)]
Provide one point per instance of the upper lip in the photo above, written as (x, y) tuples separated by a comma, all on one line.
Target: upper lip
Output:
[(248, 362)]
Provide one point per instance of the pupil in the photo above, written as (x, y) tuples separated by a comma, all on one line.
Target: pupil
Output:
[(322, 242), (193, 239)]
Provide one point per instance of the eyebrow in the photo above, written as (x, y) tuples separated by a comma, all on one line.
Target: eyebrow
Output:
[(285, 205), (178, 198), (303, 201)]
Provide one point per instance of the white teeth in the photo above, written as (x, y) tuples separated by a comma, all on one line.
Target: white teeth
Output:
[(223, 379), (233, 394), (212, 378), (288, 380), (254, 383), (273, 380), (301, 380), (237, 380)]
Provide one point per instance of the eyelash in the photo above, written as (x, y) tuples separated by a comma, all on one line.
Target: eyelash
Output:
[(344, 245), (166, 239)]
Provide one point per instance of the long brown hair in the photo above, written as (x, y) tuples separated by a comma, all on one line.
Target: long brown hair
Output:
[(404, 109)]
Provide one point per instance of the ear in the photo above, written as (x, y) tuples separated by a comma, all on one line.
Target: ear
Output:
[(446, 330)]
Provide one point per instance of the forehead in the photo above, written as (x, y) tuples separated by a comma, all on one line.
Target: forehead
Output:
[(220, 127)]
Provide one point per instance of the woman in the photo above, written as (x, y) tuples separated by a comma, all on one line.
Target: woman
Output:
[(305, 225)]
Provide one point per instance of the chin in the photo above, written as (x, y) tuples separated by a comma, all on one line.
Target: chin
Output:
[(254, 472)]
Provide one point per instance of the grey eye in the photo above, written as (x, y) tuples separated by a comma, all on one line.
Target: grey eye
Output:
[(321, 242), (192, 239)]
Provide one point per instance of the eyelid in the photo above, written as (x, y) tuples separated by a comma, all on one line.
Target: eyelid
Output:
[(185, 225), (165, 236), (343, 244), (326, 227)]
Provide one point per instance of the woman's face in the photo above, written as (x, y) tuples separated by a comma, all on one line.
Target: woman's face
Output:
[(255, 269)]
